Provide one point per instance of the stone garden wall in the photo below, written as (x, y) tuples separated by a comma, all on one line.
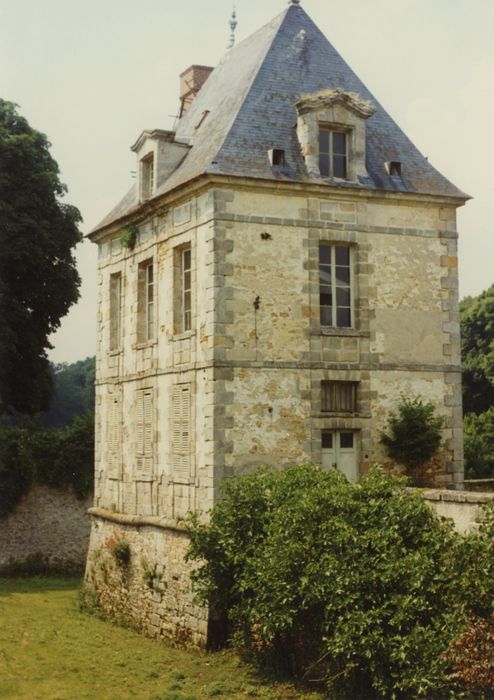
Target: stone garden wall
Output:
[(49, 526)]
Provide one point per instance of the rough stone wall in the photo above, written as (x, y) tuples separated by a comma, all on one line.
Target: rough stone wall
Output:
[(50, 523), (404, 341), (463, 507), (153, 591)]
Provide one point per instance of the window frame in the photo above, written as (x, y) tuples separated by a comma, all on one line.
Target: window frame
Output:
[(334, 287), (331, 155), (146, 302), (147, 175), (144, 433), (183, 289), (186, 290), (115, 339)]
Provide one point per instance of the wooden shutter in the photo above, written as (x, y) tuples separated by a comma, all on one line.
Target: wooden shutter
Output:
[(114, 437), (144, 433), (181, 432)]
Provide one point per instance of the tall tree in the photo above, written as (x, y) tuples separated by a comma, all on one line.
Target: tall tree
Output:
[(38, 276), (477, 347)]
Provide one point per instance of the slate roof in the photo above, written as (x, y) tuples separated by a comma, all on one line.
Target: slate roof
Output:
[(251, 99)]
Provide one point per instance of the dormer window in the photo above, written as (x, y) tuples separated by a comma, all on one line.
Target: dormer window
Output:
[(147, 176), (331, 131), (333, 153)]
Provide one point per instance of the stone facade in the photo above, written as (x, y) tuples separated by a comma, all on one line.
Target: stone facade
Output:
[(214, 354), (48, 525)]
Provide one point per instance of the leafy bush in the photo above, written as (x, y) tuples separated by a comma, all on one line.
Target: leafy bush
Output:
[(477, 351), (414, 435), (361, 585), (479, 445), (60, 458), (472, 657), (16, 466), (120, 549)]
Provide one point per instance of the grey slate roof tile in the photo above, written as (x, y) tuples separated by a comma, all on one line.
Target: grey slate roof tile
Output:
[(250, 97)]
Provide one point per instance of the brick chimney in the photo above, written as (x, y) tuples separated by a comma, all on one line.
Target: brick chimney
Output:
[(191, 81)]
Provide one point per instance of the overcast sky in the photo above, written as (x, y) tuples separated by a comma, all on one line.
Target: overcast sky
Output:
[(92, 75)]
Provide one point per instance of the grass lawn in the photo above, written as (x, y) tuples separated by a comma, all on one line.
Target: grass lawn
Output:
[(49, 650)]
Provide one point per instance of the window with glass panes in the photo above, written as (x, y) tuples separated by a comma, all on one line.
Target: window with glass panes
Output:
[(145, 302), (335, 286), (332, 153), (186, 289)]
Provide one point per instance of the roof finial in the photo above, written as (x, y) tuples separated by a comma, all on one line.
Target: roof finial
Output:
[(294, 2), (233, 26)]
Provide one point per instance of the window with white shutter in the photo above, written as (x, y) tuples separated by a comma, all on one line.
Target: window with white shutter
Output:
[(144, 433), (115, 310), (114, 437), (181, 443)]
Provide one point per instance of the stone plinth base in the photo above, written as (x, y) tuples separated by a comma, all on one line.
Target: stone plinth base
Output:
[(136, 573)]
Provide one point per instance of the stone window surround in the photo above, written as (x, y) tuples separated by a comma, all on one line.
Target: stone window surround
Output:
[(147, 175), (179, 332), (352, 286), (360, 282), (115, 289), (143, 322)]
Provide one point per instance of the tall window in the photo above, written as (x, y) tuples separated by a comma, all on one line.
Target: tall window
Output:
[(114, 436), (186, 289), (339, 397), (145, 302), (332, 153), (147, 176), (181, 443), (335, 286), (115, 310), (144, 432)]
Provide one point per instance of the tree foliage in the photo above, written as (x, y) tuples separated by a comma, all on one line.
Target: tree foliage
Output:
[(62, 458), (414, 434), (479, 444), (477, 348), (73, 392), (359, 585), (38, 276)]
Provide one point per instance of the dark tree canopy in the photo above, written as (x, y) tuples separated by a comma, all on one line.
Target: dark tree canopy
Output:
[(477, 348), (38, 276), (73, 393)]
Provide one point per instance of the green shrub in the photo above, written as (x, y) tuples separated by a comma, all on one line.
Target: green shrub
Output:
[(16, 466), (414, 435), (58, 457), (120, 550), (359, 585), (479, 445), (472, 658)]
